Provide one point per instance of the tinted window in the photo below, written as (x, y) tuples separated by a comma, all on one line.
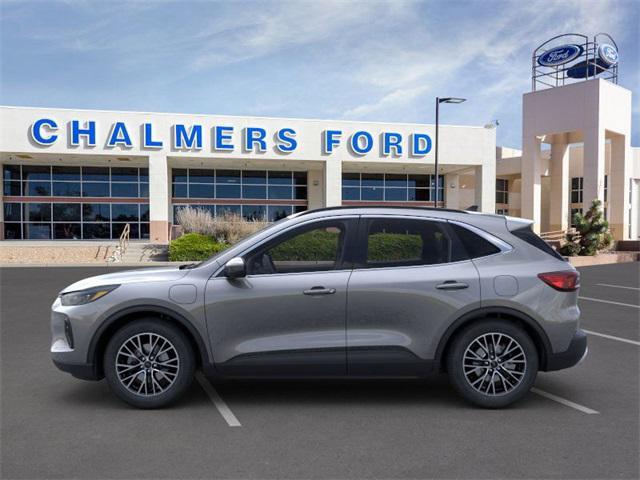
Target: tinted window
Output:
[(310, 249), (474, 245), (404, 242), (529, 236)]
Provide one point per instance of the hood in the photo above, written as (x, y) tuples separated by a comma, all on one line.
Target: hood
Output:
[(129, 276)]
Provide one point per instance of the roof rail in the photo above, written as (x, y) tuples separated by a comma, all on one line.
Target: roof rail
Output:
[(391, 207)]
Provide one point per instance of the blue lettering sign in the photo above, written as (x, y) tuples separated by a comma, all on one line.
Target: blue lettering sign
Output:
[(186, 139), (37, 134), (330, 140), (119, 136), (286, 140), (359, 147), (608, 54), (391, 140), (147, 137), (420, 144), (255, 136), (222, 136), (89, 131)]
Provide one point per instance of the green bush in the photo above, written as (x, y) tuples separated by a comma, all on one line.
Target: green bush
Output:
[(392, 247), (315, 245), (194, 247), (592, 233)]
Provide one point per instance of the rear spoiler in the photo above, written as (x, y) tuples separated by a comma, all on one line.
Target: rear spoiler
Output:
[(515, 223)]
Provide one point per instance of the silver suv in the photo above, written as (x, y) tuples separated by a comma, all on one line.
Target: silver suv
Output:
[(335, 292)]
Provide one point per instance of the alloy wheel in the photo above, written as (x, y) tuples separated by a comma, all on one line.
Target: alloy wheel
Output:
[(494, 364), (147, 364)]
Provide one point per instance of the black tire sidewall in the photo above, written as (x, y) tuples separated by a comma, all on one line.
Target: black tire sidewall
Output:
[(182, 346), (460, 344)]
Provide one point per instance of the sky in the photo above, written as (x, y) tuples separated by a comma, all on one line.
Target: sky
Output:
[(344, 60)]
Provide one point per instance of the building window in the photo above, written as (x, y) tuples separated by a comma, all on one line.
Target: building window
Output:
[(606, 187), (502, 190), (254, 194), (576, 190), (502, 211), (391, 187), (63, 213)]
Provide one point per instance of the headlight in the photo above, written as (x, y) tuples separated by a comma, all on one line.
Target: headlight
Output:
[(89, 295)]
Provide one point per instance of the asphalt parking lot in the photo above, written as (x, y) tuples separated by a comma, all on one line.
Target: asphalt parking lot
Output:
[(581, 423)]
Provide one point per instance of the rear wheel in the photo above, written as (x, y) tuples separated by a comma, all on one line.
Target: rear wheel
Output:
[(492, 363), (149, 363)]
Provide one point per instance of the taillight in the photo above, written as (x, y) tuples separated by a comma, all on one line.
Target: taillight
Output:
[(568, 281)]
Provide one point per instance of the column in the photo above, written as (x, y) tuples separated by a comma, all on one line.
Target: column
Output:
[(452, 190), (618, 188), (159, 198), (315, 189), (593, 167), (1, 208), (485, 188), (531, 181), (559, 195), (332, 182)]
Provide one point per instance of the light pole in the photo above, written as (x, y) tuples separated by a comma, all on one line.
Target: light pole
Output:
[(438, 102)]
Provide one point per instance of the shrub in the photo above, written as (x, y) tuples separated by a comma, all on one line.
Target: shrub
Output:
[(227, 228), (194, 247), (592, 233)]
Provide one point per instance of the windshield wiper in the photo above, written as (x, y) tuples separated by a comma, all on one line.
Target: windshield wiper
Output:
[(188, 266)]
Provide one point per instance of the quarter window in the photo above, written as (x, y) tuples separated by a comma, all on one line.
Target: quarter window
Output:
[(311, 249)]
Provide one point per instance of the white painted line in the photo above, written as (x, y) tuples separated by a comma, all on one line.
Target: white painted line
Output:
[(565, 402), (217, 400), (617, 286), (609, 301), (611, 337)]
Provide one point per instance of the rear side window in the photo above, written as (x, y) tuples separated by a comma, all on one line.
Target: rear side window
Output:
[(529, 236), (474, 245), (404, 242)]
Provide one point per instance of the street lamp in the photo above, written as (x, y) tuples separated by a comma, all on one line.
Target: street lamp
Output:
[(438, 102)]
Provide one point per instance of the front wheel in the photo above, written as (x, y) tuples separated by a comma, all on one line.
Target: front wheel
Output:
[(149, 363), (492, 363)]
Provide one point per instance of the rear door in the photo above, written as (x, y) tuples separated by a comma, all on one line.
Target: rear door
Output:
[(410, 282)]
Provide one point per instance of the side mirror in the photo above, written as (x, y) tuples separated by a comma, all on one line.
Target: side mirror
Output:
[(235, 268)]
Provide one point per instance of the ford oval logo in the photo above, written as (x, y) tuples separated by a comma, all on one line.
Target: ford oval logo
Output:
[(560, 55), (608, 54)]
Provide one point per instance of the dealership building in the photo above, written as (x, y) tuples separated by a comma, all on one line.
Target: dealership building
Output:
[(85, 174)]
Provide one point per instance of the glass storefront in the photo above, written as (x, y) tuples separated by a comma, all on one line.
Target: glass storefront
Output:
[(391, 187), (77, 202), (254, 194)]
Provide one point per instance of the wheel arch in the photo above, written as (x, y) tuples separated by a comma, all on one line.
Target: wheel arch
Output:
[(119, 319), (533, 329)]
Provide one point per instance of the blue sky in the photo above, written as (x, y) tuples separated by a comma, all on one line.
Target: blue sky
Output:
[(369, 60)]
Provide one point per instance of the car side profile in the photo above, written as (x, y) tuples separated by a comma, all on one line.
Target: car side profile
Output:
[(355, 292)]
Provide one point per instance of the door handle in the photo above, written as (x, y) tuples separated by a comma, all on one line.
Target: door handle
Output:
[(320, 291), (452, 285)]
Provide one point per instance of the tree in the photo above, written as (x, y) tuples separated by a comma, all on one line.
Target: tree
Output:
[(591, 235)]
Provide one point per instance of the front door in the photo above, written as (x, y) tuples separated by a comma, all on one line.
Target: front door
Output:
[(287, 316), (410, 282)]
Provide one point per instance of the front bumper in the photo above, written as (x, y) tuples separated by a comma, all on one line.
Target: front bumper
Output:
[(84, 371), (573, 355)]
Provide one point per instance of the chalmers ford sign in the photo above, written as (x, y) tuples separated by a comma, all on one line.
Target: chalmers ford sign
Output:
[(221, 138)]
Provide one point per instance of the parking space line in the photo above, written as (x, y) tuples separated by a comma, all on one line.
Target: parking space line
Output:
[(611, 337), (609, 301), (617, 286), (217, 400), (565, 402)]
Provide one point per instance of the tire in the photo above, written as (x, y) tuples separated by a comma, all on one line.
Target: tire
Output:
[(492, 383), (145, 379)]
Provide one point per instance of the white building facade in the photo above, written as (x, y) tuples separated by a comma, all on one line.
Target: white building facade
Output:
[(85, 174)]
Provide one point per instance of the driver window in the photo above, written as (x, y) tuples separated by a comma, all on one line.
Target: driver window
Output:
[(312, 249)]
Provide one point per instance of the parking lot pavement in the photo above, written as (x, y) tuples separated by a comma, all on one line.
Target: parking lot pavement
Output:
[(53, 426)]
